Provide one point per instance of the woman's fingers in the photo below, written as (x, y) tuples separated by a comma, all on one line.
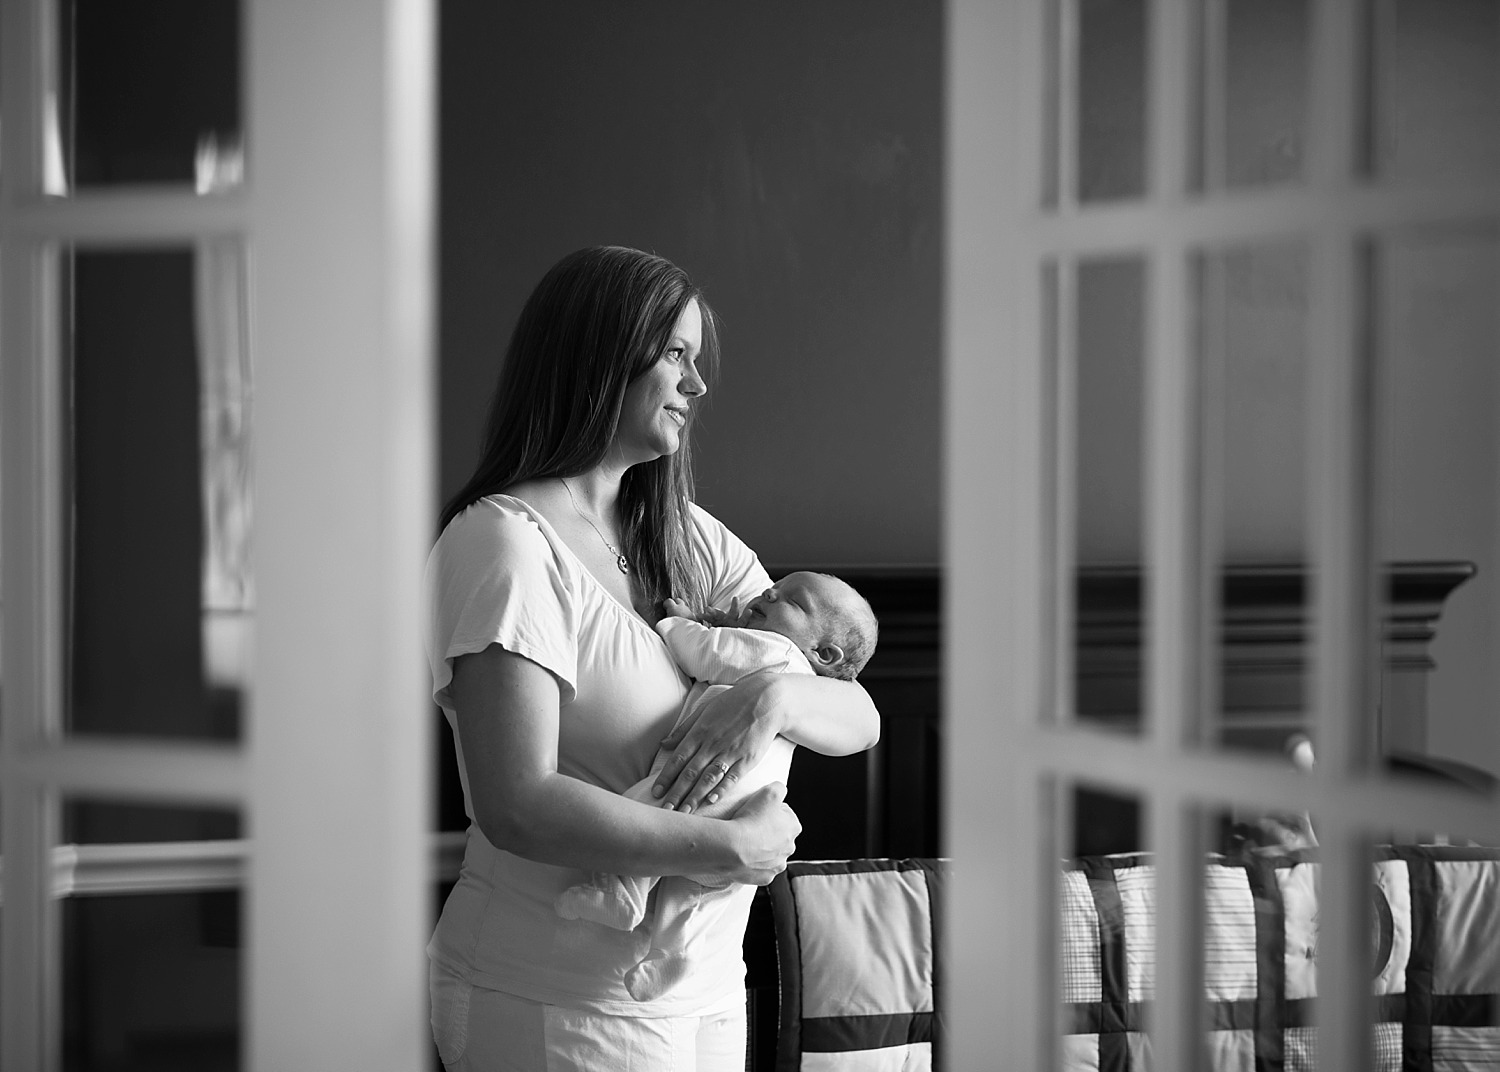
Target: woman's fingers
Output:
[(691, 779), (718, 778), (730, 733), (679, 773), (679, 731)]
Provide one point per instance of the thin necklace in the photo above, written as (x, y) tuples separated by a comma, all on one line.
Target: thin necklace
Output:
[(620, 559)]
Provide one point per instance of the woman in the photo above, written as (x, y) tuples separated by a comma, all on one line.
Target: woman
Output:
[(549, 573)]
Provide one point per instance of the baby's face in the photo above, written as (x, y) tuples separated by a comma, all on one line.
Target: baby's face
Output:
[(796, 607)]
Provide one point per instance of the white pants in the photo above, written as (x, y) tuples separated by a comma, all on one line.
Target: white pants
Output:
[(479, 1030)]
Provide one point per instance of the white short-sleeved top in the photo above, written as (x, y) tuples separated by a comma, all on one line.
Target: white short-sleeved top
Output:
[(499, 574)]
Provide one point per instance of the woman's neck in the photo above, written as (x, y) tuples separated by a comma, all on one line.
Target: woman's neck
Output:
[(597, 491)]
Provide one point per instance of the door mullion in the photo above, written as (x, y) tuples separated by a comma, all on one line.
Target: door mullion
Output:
[(31, 714), (30, 972)]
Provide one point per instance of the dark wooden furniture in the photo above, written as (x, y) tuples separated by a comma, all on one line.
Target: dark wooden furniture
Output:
[(1263, 666), (1263, 672)]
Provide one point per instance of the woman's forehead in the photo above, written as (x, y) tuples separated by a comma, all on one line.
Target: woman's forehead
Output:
[(689, 326)]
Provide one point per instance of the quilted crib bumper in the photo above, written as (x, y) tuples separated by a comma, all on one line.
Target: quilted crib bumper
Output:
[(1437, 959), (858, 958)]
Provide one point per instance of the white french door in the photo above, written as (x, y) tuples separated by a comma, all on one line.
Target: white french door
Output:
[(1037, 223), (247, 673)]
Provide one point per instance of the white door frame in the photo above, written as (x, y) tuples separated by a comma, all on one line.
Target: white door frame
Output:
[(333, 774), (1012, 744)]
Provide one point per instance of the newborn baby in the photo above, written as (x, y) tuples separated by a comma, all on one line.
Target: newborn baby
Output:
[(806, 623)]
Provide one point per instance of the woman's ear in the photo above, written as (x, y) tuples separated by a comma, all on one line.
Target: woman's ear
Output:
[(826, 655)]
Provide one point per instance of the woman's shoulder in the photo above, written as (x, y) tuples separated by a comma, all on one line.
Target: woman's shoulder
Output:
[(495, 528), (713, 537), (705, 526), (734, 571)]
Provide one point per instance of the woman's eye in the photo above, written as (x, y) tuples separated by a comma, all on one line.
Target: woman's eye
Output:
[(674, 353)]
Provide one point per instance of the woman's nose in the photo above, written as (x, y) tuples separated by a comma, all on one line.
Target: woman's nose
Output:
[(692, 384)]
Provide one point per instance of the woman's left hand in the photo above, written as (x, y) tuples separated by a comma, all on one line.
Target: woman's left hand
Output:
[(727, 738)]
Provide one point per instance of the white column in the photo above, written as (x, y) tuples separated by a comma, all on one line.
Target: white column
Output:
[(340, 163)]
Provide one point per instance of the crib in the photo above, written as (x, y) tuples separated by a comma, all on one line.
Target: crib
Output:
[(858, 962)]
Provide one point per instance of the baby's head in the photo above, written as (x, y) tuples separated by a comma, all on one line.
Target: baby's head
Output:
[(826, 618)]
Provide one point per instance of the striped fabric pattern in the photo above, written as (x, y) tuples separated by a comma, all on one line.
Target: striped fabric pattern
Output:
[(1436, 949), (858, 950)]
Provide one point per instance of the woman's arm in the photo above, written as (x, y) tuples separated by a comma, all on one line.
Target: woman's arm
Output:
[(508, 725), (833, 717)]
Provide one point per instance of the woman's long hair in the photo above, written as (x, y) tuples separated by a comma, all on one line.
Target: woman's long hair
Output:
[(599, 319)]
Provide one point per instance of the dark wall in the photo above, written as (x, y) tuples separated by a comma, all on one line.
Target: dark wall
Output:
[(787, 155)]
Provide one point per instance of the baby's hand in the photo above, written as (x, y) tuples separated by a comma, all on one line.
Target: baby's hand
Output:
[(713, 616), (734, 616)]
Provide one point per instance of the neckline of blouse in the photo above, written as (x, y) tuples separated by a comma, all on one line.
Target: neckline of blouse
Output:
[(557, 541)]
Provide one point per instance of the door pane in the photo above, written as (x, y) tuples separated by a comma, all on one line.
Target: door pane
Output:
[(1105, 930), (1438, 91), (150, 93), (1253, 386), (159, 626), (94, 822), (1111, 99), (1437, 350), (1258, 140), (1104, 420), (151, 952), (151, 982)]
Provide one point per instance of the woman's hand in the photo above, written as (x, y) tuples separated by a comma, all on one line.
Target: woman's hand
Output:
[(728, 738), (768, 830)]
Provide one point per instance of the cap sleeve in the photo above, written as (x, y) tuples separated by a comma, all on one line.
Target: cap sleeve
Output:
[(733, 570), (493, 578)]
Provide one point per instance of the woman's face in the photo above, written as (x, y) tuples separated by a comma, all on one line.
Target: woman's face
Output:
[(657, 404)]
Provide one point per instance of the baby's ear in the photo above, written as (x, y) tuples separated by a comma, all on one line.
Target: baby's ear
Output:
[(826, 656)]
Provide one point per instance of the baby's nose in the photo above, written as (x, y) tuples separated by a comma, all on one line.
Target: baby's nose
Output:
[(769, 595)]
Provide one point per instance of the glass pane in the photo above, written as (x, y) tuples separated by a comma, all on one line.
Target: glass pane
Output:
[(151, 982), (151, 937), (1106, 901), (1250, 1013), (1258, 139), (1438, 91), (1437, 351), (1111, 99), (1107, 419), (1254, 382), (150, 93), (1431, 921), (91, 822), (1435, 929), (159, 631)]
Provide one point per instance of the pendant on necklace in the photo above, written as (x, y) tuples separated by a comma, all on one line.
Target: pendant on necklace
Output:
[(620, 561)]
